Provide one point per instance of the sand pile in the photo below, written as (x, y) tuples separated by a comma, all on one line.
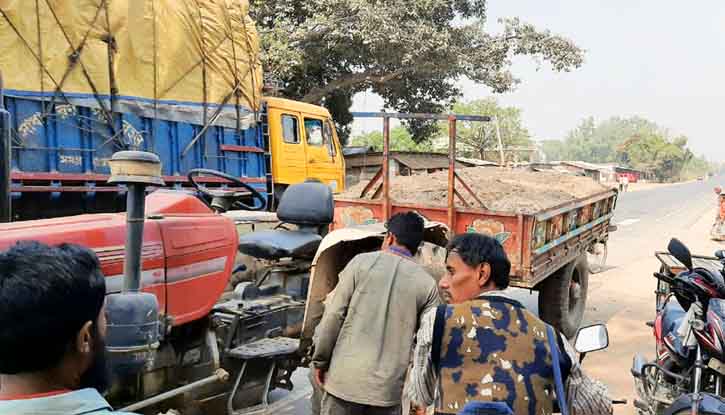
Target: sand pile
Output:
[(504, 190)]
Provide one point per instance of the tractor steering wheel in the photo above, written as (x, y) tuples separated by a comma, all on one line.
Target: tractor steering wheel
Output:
[(230, 194)]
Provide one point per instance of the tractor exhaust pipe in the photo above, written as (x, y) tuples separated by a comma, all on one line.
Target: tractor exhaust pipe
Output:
[(135, 216), (137, 170), (133, 316), (5, 154)]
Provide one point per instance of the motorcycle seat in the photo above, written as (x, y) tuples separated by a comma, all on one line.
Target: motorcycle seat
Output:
[(672, 315), (278, 244)]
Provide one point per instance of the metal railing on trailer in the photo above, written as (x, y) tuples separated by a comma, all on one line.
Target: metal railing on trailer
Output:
[(384, 172)]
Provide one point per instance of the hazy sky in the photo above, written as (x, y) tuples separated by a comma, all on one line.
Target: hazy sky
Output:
[(662, 60)]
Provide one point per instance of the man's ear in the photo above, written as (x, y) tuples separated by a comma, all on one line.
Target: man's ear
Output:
[(389, 240), (484, 274), (84, 341)]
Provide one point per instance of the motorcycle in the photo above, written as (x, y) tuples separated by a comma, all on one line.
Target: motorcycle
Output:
[(688, 372)]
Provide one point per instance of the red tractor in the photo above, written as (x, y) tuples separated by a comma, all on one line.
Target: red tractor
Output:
[(175, 328)]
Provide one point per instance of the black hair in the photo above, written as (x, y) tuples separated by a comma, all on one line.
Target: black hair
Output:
[(476, 249), (47, 294), (408, 228)]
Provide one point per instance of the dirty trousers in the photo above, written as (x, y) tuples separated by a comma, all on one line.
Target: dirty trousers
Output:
[(332, 405)]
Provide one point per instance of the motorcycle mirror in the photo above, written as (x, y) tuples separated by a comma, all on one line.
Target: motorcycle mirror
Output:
[(720, 254), (680, 251), (591, 338)]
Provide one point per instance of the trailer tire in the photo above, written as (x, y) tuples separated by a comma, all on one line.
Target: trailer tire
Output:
[(563, 296)]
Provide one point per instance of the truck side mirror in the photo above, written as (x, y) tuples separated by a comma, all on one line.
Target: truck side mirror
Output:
[(591, 338)]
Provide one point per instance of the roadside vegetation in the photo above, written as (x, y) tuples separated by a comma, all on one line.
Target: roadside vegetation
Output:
[(631, 142), (326, 51)]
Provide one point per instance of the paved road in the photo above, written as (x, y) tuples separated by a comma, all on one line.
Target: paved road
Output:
[(663, 202), (646, 220), (623, 296)]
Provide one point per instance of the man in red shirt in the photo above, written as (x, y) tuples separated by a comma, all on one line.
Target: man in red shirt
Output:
[(52, 330)]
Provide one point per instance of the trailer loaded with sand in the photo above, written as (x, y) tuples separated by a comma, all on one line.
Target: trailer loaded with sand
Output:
[(550, 224)]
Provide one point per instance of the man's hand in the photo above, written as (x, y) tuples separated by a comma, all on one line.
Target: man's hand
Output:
[(320, 376), (417, 409)]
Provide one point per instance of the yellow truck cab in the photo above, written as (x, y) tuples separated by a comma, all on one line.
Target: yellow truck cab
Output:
[(304, 145)]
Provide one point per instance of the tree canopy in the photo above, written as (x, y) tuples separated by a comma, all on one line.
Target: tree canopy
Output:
[(400, 140), (410, 52), (480, 139), (634, 142)]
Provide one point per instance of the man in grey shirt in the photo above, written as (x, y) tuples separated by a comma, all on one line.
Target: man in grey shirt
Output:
[(363, 342)]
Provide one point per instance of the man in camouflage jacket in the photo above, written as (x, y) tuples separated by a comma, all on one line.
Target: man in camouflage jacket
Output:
[(486, 347)]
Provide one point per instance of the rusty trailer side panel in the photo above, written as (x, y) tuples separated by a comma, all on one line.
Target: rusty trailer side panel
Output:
[(537, 244)]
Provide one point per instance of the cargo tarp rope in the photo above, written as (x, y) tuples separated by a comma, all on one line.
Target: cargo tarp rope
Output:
[(236, 87), (32, 52), (77, 56)]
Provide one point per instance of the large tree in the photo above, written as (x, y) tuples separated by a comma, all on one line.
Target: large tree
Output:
[(410, 52), (665, 158)]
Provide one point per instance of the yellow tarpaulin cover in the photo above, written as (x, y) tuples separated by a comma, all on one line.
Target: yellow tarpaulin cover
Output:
[(156, 52)]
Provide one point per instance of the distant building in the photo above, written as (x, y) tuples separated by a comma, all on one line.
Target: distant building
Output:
[(354, 150), (587, 169), (599, 172), (477, 162), (632, 174), (361, 166), (606, 172)]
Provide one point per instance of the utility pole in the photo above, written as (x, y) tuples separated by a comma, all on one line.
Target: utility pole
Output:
[(500, 142)]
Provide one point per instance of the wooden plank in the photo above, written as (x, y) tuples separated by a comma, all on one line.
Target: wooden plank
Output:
[(558, 210), (572, 234), (455, 191), (465, 186), (371, 183)]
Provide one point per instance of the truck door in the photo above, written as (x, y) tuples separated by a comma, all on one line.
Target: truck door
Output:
[(324, 159), (288, 148)]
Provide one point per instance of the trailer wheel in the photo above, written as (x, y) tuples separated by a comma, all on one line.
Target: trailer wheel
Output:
[(563, 296)]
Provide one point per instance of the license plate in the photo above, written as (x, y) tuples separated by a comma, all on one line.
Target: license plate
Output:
[(716, 365)]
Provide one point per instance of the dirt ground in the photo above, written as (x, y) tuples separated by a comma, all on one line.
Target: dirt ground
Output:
[(623, 297), (502, 190)]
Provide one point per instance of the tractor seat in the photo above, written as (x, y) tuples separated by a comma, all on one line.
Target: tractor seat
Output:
[(309, 206), (280, 244)]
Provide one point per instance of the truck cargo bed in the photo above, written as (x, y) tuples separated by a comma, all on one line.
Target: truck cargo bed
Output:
[(537, 244)]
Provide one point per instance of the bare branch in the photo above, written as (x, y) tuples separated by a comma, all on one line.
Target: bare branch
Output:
[(373, 77)]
